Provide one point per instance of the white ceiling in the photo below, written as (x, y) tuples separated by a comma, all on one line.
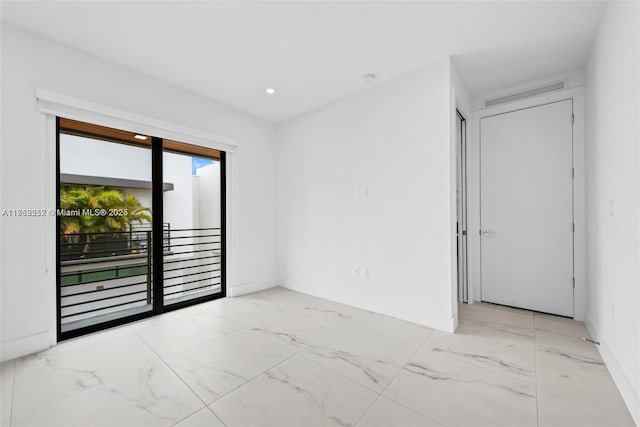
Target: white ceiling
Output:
[(315, 52)]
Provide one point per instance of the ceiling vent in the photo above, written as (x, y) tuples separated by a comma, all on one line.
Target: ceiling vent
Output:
[(549, 87)]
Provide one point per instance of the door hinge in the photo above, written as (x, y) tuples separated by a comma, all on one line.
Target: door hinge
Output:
[(573, 118), (573, 227), (573, 172), (573, 282)]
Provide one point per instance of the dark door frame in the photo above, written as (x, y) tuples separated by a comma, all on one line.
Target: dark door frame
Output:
[(158, 306), (462, 212)]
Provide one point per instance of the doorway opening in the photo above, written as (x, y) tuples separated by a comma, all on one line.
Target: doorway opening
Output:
[(127, 203), (461, 208)]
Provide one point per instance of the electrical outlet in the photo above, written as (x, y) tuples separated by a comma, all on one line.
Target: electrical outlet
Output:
[(612, 208), (613, 313), (356, 272)]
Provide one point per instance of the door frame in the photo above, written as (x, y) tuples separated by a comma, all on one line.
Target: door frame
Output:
[(159, 305), (54, 105), (473, 189), (462, 223)]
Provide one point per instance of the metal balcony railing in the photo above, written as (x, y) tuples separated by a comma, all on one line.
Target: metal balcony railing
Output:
[(105, 275), (192, 263)]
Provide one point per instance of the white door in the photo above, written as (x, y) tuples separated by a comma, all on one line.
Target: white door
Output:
[(527, 208)]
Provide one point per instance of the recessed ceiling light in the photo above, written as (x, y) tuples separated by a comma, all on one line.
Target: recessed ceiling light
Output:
[(270, 91), (369, 78), (142, 137)]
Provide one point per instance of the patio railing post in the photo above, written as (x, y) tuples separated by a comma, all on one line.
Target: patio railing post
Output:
[(148, 233)]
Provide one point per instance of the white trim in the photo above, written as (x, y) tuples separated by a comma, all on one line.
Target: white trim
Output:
[(467, 135), (473, 189), (231, 221), (25, 345), (453, 185), (247, 288), (631, 399), (637, 418), (43, 340), (77, 109), (50, 179)]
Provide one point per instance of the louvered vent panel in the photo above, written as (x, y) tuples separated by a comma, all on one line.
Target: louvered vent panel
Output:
[(551, 87)]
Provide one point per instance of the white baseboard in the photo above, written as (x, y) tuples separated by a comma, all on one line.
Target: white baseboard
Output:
[(625, 388), (446, 325), (24, 346), (247, 288)]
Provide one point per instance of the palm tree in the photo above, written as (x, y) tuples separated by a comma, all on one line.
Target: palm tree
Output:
[(91, 197)]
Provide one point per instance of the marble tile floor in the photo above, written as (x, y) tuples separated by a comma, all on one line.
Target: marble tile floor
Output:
[(282, 358)]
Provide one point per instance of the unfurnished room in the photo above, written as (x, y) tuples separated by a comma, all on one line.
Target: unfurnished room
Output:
[(319, 213)]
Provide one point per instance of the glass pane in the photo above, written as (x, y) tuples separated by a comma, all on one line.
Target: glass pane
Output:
[(105, 230), (192, 247)]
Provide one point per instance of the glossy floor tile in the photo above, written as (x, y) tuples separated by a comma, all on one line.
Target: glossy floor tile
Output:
[(203, 418), (278, 358), (368, 358), (561, 409), (168, 338), (503, 354), (457, 390), (217, 367), (149, 396), (47, 377), (407, 332), (387, 413), (298, 392)]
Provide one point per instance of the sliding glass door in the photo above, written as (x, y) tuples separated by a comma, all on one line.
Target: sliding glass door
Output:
[(126, 204)]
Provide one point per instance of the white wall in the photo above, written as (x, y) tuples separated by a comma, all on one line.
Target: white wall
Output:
[(612, 137), (92, 157), (30, 62), (392, 142), (462, 95), (178, 204), (209, 195)]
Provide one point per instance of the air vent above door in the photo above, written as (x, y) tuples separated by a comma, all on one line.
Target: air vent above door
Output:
[(546, 88)]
